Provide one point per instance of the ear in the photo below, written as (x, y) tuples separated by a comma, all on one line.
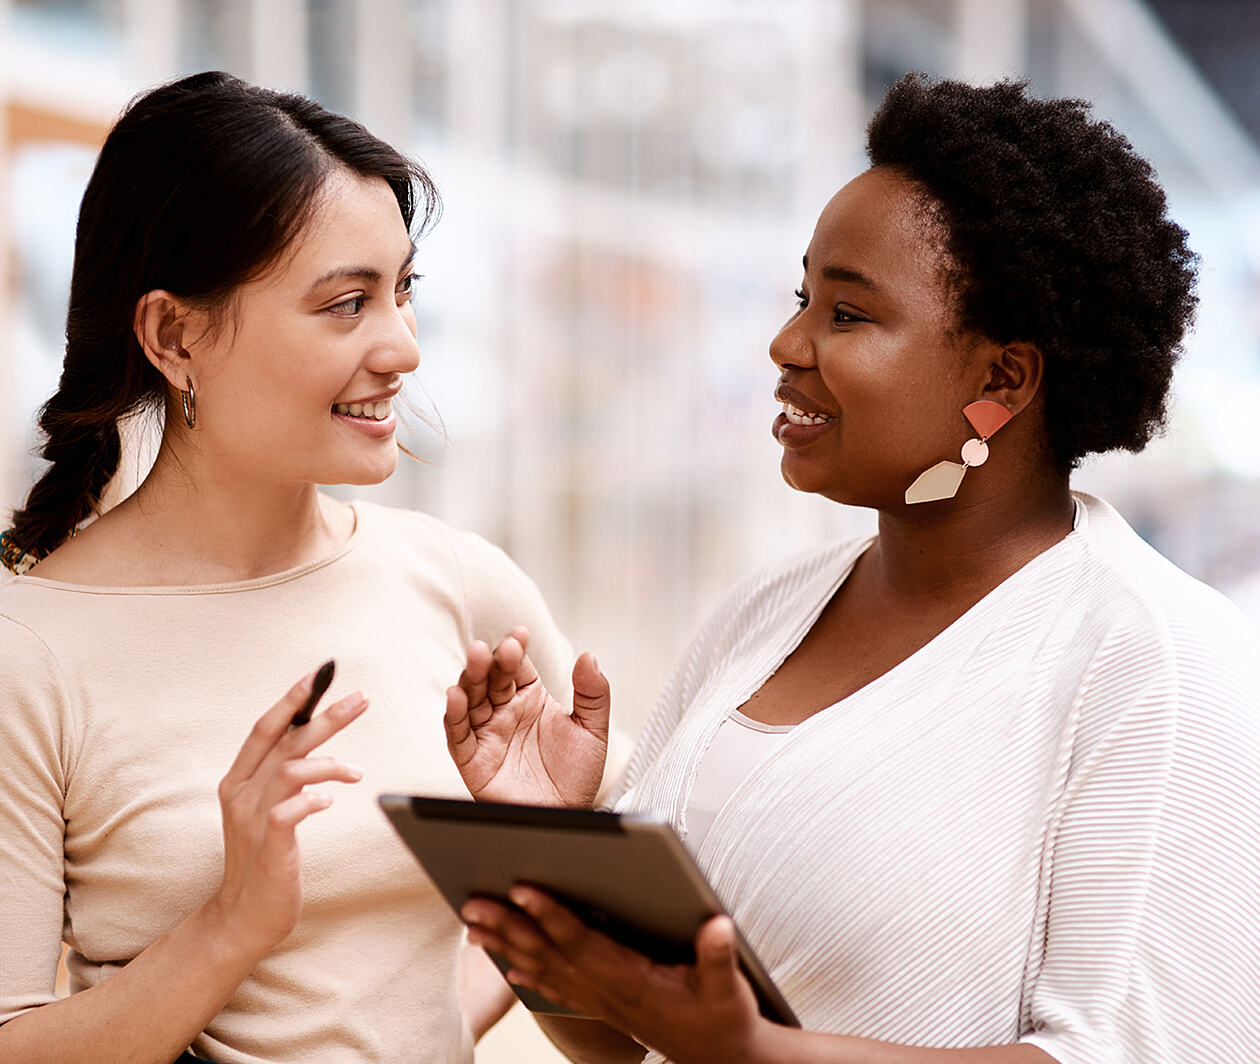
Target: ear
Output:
[(1014, 374), (160, 323)]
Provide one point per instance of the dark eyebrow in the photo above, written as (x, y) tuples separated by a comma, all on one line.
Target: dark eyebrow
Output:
[(363, 273), (843, 273)]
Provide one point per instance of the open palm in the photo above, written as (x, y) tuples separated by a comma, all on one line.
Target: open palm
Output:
[(513, 742)]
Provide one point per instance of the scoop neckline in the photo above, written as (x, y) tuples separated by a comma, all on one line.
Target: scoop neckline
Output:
[(229, 587)]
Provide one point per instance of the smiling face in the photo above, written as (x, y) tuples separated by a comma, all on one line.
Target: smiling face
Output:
[(873, 377), (296, 384)]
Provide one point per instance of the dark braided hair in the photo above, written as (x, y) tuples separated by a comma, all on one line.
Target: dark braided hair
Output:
[(1060, 235), (199, 187)]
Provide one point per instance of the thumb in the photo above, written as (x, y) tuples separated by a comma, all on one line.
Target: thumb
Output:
[(717, 966), (592, 698)]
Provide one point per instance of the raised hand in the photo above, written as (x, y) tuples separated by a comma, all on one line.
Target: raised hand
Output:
[(263, 798), (513, 742)]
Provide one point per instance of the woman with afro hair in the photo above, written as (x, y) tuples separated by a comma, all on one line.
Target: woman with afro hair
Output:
[(984, 787)]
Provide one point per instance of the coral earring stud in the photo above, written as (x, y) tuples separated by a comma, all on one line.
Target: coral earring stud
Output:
[(986, 417)]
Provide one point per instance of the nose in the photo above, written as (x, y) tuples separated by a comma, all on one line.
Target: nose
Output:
[(394, 348), (792, 345)]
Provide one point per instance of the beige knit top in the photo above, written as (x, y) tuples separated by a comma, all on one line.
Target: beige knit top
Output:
[(120, 710)]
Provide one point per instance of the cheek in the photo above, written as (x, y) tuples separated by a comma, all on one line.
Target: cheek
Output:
[(896, 403)]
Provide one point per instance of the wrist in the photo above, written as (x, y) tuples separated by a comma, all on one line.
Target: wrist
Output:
[(224, 940), (772, 1043)]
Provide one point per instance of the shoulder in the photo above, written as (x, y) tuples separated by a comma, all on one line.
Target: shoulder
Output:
[(1207, 639), (494, 593), (33, 687), (780, 586), (1169, 663), (763, 604), (426, 537)]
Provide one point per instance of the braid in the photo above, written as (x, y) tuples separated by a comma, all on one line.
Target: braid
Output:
[(83, 447)]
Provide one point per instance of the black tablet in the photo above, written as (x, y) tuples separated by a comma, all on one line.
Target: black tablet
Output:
[(627, 875)]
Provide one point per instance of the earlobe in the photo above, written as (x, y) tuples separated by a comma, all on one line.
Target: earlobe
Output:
[(159, 324)]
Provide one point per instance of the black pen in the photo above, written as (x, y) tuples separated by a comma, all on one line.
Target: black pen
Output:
[(322, 679)]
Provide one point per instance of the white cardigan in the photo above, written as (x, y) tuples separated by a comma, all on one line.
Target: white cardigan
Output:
[(1043, 826)]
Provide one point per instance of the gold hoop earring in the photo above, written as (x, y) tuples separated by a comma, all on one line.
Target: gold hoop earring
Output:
[(188, 400)]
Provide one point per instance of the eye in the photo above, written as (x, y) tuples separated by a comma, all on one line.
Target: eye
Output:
[(407, 285), (841, 316), (802, 300), (348, 308)]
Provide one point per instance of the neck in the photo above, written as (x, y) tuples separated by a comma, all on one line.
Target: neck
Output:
[(206, 525), (966, 549)]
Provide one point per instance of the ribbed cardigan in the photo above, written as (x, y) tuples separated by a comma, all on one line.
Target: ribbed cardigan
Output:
[(1043, 826)]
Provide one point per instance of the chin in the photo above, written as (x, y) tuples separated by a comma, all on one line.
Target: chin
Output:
[(364, 473), (800, 480)]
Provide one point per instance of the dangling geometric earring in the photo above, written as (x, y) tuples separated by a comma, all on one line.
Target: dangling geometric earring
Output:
[(943, 480), (188, 400)]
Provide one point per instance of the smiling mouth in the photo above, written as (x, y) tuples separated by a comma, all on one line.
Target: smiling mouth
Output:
[(797, 416), (377, 411)]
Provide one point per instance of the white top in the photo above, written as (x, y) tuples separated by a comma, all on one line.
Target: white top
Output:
[(738, 745), (1041, 827), (121, 709)]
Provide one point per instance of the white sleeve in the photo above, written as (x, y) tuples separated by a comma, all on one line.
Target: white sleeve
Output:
[(1152, 947), (33, 778)]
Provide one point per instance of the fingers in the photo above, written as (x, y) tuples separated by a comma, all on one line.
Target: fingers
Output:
[(271, 741), (323, 726), (293, 775), (460, 740), (475, 677), (717, 961), (502, 931), (592, 698), (287, 815), (524, 672), (490, 680), (267, 730), (512, 668), (557, 922)]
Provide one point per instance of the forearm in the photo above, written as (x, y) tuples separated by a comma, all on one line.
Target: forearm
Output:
[(146, 1013), (785, 1045), (589, 1041)]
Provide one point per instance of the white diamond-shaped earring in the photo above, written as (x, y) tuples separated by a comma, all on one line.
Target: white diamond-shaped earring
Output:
[(943, 480)]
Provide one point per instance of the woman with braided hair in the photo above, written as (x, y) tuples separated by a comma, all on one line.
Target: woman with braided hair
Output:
[(244, 266), (982, 788)]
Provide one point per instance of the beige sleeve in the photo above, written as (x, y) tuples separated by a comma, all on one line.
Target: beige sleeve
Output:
[(34, 752), (498, 596)]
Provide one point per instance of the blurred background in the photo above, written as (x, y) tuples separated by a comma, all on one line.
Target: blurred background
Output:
[(628, 190)]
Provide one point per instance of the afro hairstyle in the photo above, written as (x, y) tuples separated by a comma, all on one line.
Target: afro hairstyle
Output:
[(1058, 236)]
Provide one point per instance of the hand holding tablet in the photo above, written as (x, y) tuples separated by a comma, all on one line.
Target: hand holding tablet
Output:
[(625, 876)]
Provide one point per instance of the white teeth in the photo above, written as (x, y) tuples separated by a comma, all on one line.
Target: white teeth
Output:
[(799, 417), (377, 411)]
